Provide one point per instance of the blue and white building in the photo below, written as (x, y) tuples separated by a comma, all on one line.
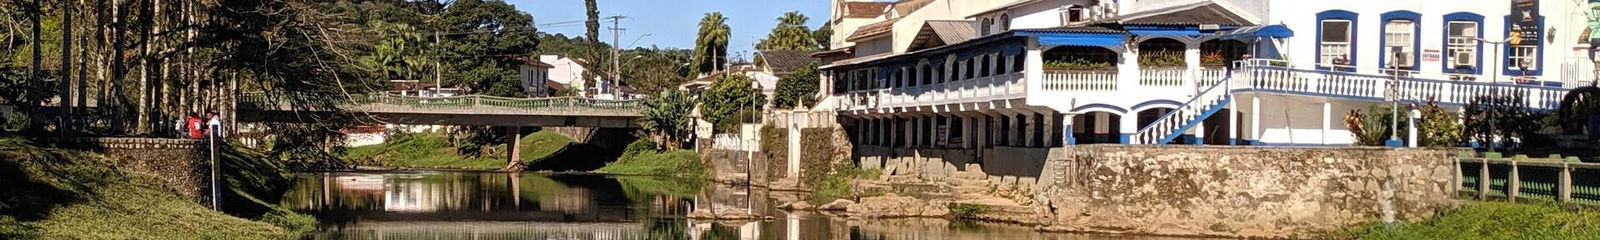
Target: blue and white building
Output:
[(1044, 73)]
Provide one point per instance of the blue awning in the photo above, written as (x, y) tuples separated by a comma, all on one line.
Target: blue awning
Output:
[(1081, 39), (1251, 32)]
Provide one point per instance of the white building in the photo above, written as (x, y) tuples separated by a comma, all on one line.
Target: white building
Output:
[(1043, 73), (568, 72), (535, 76)]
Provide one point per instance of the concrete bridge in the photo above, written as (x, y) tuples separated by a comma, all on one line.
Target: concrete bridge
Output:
[(475, 110)]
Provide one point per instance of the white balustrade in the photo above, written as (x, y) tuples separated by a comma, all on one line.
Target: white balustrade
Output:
[(1162, 77), (1079, 81), (1412, 87)]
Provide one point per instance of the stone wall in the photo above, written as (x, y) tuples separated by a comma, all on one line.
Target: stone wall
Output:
[(180, 164), (1195, 190), (1240, 191)]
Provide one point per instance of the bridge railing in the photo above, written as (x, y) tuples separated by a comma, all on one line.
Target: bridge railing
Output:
[(1553, 179), (262, 101)]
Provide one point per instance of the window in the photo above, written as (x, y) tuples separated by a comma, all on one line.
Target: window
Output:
[(1334, 47), (1005, 22), (984, 71), (1462, 45), (988, 23), (1071, 14), (1399, 36), (1524, 56), (1017, 62)]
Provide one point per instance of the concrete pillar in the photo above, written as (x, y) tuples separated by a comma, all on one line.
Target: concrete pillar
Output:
[(1066, 130), (1029, 121), (1563, 183), (1412, 126), (1128, 68), (1191, 60), (1199, 133), (514, 148), (916, 132), (1327, 122), (1255, 120), (1128, 125), (1049, 121), (1033, 66), (1233, 122), (1015, 130)]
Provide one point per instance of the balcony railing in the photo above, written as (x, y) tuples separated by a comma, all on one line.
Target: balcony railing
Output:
[(1272, 76), (996, 87), (1079, 81), (1163, 77)]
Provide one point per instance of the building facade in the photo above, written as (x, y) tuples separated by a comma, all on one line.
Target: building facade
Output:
[(1044, 73)]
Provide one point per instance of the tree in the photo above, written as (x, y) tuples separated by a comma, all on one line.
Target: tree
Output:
[(592, 24), (730, 99), (666, 118), (790, 34), (398, 52), (797, 89), (823, 35), (486, 58), (711, 44)]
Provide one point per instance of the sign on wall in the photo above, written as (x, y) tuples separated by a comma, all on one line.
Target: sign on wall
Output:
[(1430, 55), (1524, 23)]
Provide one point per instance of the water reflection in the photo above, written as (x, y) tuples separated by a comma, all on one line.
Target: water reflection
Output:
[(469, 205)]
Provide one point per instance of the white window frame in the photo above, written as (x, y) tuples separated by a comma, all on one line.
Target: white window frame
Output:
[(1521, 53), (1400, 33), (1465, 43), (1069, 10), (1332, 50)]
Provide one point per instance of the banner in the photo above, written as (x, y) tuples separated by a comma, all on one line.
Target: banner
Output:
[(1524, 23)]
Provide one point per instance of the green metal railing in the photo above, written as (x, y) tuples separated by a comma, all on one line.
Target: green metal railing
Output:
[(1553, 179), (468, 102)]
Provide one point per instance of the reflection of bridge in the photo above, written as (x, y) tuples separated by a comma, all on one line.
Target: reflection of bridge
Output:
[(459, 110)]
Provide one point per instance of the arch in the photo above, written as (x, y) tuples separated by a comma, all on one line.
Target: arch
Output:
[(1157, 103), (1101, 108), (924, 72), (1477, 67), (1162, 52), (1219, 52), (1005, 22), (1149, 115), (1087, 130), (1342, 15), (1080, 58), (1383, 37), (984, 30)]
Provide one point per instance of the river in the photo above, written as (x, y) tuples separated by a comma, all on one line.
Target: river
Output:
[(483, 205)]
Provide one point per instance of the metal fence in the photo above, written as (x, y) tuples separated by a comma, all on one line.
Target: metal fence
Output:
[(1554, 179), (264, 101)]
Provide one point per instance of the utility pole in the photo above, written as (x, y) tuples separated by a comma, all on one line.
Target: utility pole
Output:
[(616, 55), (437, 73)]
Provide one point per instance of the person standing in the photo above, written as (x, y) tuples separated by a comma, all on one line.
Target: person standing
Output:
[(214, 124), (193, 124)]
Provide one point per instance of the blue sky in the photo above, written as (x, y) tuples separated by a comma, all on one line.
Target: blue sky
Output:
[(673, 23)]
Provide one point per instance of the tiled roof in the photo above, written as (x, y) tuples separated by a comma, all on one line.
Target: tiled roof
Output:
[(942, 32), (786, 61), (874, 29), (1099, 28), (864, 9), (1207, 12)]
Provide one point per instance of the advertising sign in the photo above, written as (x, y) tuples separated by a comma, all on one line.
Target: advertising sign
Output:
[(1524, 23)]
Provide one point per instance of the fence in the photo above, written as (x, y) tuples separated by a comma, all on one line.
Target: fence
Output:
[(1552, 179)]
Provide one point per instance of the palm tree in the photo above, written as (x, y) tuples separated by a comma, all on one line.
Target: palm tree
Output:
[(790, 34), (711, 44)]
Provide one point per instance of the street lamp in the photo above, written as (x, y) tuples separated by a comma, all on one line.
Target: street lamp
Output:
[(1494, 90)]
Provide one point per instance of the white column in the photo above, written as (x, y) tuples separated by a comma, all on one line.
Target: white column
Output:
[(1327, 122), (1033, 68), (1233, 122), (1200, 133), (1066, 130), (1255, 119), (1129, 125), (1128, 68), (1412, 127), (1191, 60)]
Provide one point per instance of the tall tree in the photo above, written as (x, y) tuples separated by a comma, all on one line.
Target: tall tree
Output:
[(711, 44), (730, 99), (593, 22), (823, 35), (797, 89), (486, 58), (790, 34)]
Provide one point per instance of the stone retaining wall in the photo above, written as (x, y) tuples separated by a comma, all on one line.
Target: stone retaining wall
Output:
[(180, 164), (1196, 190)]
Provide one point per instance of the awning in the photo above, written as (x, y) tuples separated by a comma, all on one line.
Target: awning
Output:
[(1251, 32), (1105, 40)]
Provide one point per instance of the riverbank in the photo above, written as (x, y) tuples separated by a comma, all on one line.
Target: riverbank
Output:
[(76, 194), (1491, 220), (434, 151)]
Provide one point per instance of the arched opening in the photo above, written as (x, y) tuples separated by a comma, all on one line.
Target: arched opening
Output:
[(1005, 22), (988, 24), (1161, 53), (1077, 58), (1217, 53), (1097, 127)]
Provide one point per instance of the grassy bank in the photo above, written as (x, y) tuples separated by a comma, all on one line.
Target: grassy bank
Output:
[(78, 195), (1492, 220), (428, 150), (836, 185), (642, 158)]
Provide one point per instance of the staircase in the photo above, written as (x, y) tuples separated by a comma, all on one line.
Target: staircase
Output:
[(1193, 112)]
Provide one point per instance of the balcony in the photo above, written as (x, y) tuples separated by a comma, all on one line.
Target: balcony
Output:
[(974, 90)]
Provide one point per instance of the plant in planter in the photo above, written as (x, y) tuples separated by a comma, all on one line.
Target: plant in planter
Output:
[(1076, 65), (1161, 59), (1212, 59)]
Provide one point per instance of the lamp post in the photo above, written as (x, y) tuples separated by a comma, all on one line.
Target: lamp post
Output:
[(1494, 91)]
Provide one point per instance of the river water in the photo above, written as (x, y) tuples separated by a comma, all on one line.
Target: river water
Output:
[(480, 205)]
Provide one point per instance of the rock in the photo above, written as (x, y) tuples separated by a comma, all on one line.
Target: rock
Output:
[(799, 205), (838, 205), (891, 205)]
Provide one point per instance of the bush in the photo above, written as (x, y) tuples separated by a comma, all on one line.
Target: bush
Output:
[(1507, 117), (1492, 220), (1371, 128), (836, 185)]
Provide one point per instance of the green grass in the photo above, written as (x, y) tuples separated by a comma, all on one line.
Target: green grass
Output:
[(836, 184), (641, 158), (1493, 220), (78, 195), (427, 150)]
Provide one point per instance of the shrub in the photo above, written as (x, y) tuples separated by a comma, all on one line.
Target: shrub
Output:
[(966, 210), (1506, 118)]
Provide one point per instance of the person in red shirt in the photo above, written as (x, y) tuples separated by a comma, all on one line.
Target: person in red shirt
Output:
[(194, 125)]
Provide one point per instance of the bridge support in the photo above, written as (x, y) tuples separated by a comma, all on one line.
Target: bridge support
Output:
[(514, 149)]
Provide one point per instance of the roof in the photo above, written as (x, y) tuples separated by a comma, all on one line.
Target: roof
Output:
[(1079, 29), (539, 64), (786, 61), (555, 85), (1200, 13), (1008, 6), (831, 52), (941, 32), (874, 29), (864, 9)]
